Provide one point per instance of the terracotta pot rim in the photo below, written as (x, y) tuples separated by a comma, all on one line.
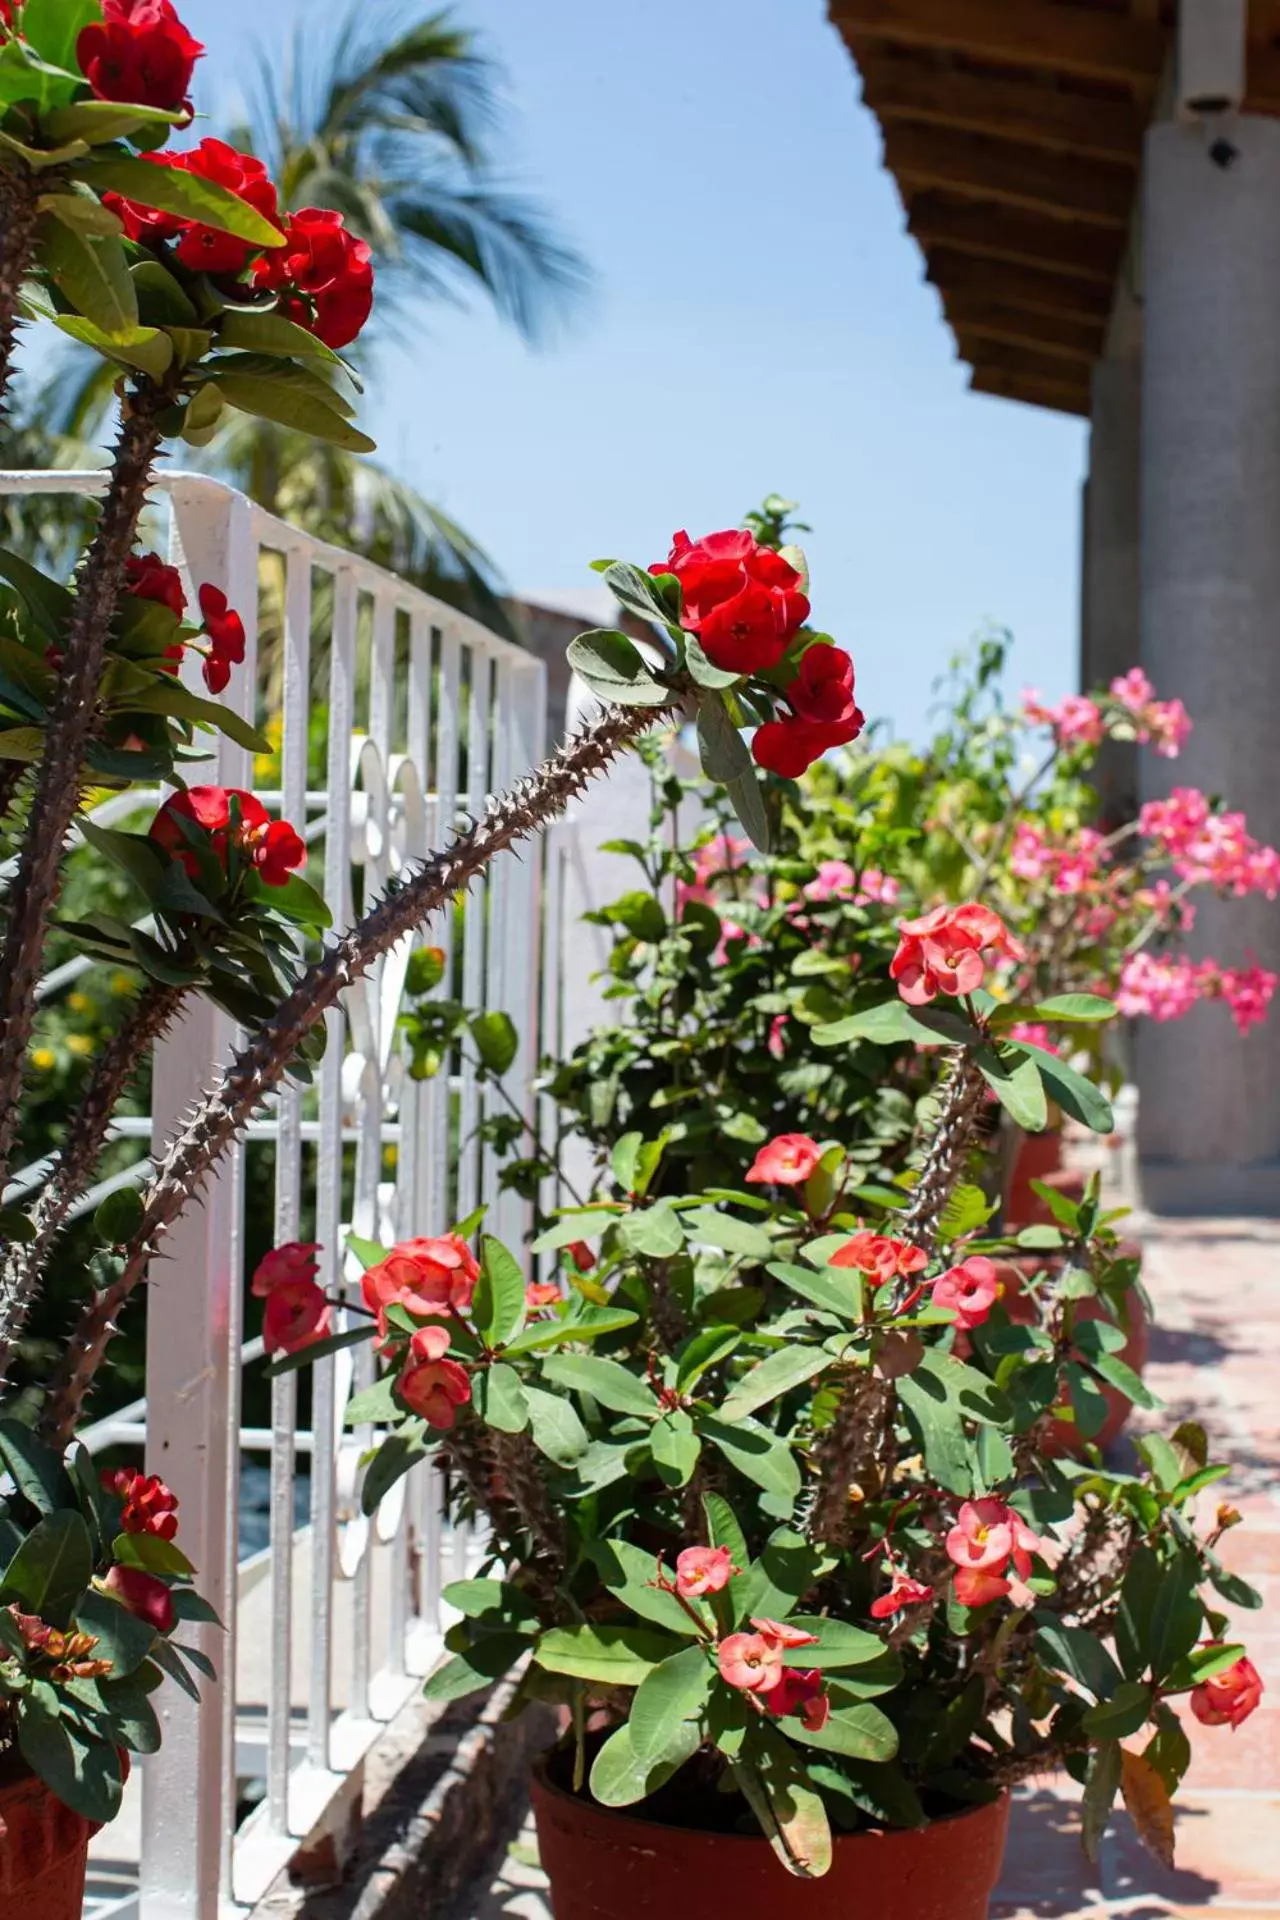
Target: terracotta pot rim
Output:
[(626, 1817)]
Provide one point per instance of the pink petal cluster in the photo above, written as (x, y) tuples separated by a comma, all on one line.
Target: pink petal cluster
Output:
[(969, 1291), (786, 1161), (991, 1548), (754, 1663), (903, 1592), (837, 880), (942, 952), (1164, 987), (1072, 868), (1204, 846), (297, 1313), (1077, 721), (1166, 724), (702, 1570)]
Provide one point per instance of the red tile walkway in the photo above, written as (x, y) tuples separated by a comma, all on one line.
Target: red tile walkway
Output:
[(1215, 1358)]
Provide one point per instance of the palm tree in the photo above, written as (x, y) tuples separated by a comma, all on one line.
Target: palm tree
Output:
[(392, 122)]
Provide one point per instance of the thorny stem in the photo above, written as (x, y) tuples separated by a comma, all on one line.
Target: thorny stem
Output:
[(20, 191), (57, 792), (78, 1156), (224, 1113), (962, 1097)]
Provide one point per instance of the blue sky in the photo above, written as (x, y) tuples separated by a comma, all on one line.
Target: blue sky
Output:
[(759, 321)]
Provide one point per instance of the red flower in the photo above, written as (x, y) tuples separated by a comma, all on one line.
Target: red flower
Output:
[(226, 633), (206, 249), (1228, 1698), (822, 690), (789, 747), (139, 52), (799, 1691), (942, 952), (272, 846), (779, 1633), (903, 1592), (297, 1316), (148, 578), (702, 1570), (293, 1261), (970, 1290), (322, 274), (877, 1254), (149, 1505), (142, 1594), (430, 1385), (750, 1662), (987, 1537), (581, 1255), (425, 1276), (541, 1293), (741, 599), (786, 1161)]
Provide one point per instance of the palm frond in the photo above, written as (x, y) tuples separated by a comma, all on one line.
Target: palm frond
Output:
[(493, 239)]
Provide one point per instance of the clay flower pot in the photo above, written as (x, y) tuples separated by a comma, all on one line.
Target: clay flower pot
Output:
[(1037, 1156), (43, 1846), (605, 1865)]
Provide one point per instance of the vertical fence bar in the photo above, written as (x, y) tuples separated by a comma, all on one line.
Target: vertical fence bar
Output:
[(499, 972), (193, 1346), (443, 821), (474, 920)]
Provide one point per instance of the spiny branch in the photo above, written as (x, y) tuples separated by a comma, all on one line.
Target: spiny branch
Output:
[(79, 1154), (57, 792), (961, 1097), (20, 191), (223, 1114)]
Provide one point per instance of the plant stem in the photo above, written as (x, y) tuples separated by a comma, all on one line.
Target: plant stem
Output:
[(20, 190), (11, 772), (222, 1115), (57, 792), (78, 1155), (961, 1096)]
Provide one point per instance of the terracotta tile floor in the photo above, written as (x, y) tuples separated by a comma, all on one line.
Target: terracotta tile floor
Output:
[(1216, 1358)]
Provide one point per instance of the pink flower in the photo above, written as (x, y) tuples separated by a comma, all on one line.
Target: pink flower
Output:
[(1077, 721), (425, 1277), (297, 1315), (1133, 689), (903, 1592), (799, 1691), (970, 1290), (141, 1594), (1159, 987), (1228, 1698), (835, 880), (877, 1254), (750, 1662), (1032, 1034), (541, 1293), (294, 1261), (879, 889), (1247, 991), (777, 1045), (1029, 854), (431, 1386), (974, 1588), (779, 1633), (1167, 724), (702, 1570), (942, 952), (982, 1538), (786, 1161)]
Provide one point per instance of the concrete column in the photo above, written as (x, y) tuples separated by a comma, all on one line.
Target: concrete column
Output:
[(1110, 601), (1209, 1127)]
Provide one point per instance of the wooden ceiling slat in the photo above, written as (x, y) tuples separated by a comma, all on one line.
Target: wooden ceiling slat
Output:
[(1006, 233), (1002, 175), (909, 90), (1020, 361), (1028, 289), (1036, 33), (1050, 394), (1057, 335)]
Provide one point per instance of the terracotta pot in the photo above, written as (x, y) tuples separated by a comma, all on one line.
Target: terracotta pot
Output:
[(1038, 1156), (1063, 1437), (605, 1865), (43, 1846)]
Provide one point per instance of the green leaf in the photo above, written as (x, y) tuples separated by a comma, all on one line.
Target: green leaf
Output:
[(493, 1601), (52, 28), (320, 1349), (585, 1223), (882, 1791), (273, 399), (496, 1040), (615, 670), (499, 1398), (1117, 1374), (777, 1786), (721, 748), (676, 1691), (1101, 1785), (478, 1668), (1072, 1006), (119, 1217), (22, 743), (133, 1718), (145, 348), (192, 1606), (122, 1637), (1073, 1093), (619, 1656), (838, 1289), (703, 671), (724, 1230), (887, 1024), (84, 1774), (723, 1529), (1202, 1663), (1174, 1618), (272, 333), (760, 1456), (631, 1574), (189, 195), (51, 1570), (1115, 1719), (703, 1351), (654, 1231), (395, 1456), (1015, 1079), (498, 1309), (38, 1471), (839, 1644), (97, 121), (862, 1732), (589, 1325), (675, 1447), (639, 592), (619, 1779), (1074, 1651), (93, 274), (787, 1568), (747, 800), (787, 1368), (151, 1555), (183, 704), (605, 1380)]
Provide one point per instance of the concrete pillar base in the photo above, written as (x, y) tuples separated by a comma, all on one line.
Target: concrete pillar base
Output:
[(1185, 1188)]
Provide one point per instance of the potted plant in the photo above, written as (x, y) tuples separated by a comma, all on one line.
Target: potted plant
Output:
[(772, 1508)]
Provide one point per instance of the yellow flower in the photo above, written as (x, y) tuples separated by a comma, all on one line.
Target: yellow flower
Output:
[(80, 1044), (121, 983), (79, 1003), (43, 1058)]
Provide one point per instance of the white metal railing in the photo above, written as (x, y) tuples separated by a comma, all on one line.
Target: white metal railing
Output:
[(329, 1630)]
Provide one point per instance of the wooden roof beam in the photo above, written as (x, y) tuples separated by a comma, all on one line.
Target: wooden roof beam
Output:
[(1020, 362), (1029, 33), (1036, 116), (1006, 233), (994, 172), (1054, 335), (1054, 396), (1029, 289)]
